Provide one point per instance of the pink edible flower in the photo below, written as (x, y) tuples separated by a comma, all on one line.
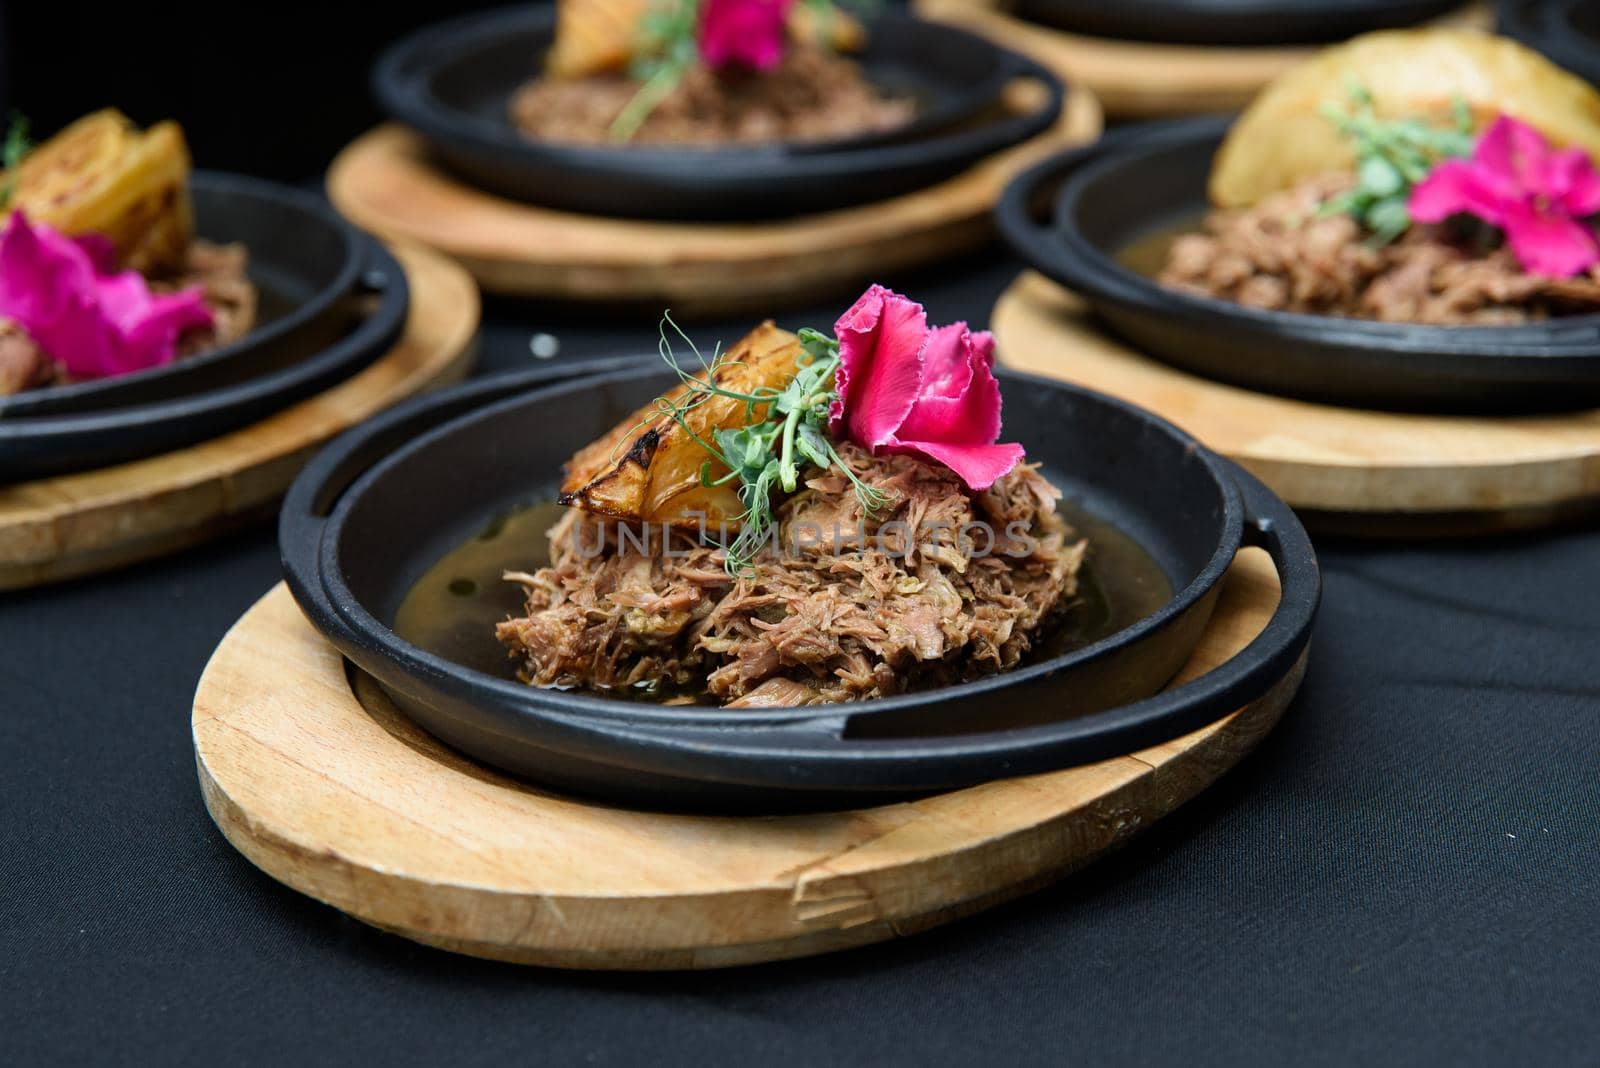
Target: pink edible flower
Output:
[(1537, 196), (903, 388), (743, 33), (96, 322)]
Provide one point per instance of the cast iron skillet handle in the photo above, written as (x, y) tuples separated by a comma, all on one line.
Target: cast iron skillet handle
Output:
[(1024, 123), (376, 275), (323, 481), (1023, 214), (1271, 525), (1031, 195), (818, 752)]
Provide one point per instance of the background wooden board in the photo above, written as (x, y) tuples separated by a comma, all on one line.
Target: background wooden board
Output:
[(385, 183), (92, 521), (1138, 79), (351, 804), (1373, 472)]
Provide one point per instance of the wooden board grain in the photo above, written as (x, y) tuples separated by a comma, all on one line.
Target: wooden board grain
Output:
[(385, 182), (1140, 79), (92, 521), (343, 799), (1438, 473)]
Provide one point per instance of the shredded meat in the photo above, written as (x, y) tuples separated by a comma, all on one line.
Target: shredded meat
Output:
[(218, 269), (1280, 255), (814, 95), (23, 365), (830, 616)]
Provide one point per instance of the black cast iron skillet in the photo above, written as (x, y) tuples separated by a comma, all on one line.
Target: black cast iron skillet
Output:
[(304, 260), (1144, 180), (1567, 31), (453, 84), (384, 502), (1231, 22), (45, 445)]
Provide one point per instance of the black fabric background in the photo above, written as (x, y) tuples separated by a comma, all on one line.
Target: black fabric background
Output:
[(1405, 872)]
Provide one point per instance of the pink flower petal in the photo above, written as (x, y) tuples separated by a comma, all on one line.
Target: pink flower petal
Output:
[(94, 322), (880, 370), (1570, 181), (963, 402), (1509, 157), (743, 33), (1547, 244), (1451, 188), (979, 466), (903, 388)]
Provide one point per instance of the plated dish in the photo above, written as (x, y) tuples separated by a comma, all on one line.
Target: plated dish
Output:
[(1232, 22), (145, 306), (233, 392), (802, 570), (717, 72), (598, 108), (1403, 222), (101, 273), (284, 273)]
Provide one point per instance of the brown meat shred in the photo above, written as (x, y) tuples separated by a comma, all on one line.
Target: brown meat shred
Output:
[(1282, 255), (813, 95), (829, 617)]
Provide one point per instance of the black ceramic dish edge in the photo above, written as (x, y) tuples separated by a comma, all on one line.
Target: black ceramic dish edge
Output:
[(1231, 23), (814, 754), (708, 185)]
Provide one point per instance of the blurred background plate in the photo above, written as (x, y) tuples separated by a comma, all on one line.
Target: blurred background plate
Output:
[(1232, 22), (453, 84)]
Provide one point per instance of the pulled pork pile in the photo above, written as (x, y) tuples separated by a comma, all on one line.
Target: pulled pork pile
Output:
[(826, 617), (814, 95), (1280, 255), (220, 271)]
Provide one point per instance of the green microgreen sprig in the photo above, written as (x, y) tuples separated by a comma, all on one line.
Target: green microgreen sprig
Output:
[(13, 151), (1391, 158), (668, 47), (787, 429)]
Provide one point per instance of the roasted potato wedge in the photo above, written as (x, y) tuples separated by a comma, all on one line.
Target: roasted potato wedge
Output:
[(594, 37), (648, 469), (600, 36), (102, 175), (1282, 138), (835, 29)]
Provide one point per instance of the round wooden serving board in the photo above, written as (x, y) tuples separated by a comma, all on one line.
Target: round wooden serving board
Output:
[(343, 799), (1140, 79), (385, 182), (92, 521), (1345, 470)]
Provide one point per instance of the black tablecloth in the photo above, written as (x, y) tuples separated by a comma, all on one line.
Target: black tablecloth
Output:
[(1404, 871)]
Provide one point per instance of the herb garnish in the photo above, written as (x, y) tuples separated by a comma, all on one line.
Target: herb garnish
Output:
[(669, 43), (667, 49), (1391, 157), (13, 151), (788, 429)]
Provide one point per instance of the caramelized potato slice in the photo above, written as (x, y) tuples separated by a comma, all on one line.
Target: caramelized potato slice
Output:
[(648, 468), (836, 29), (1282, 138), (594, 37), (599, 36), (102, 175)]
